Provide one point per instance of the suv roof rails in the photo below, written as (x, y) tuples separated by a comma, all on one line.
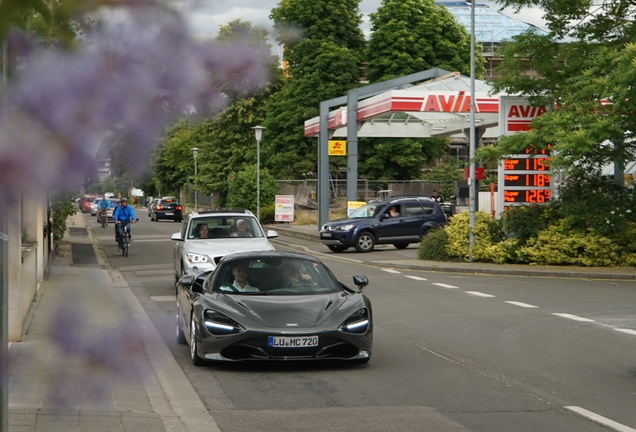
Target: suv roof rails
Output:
[(224, 211)]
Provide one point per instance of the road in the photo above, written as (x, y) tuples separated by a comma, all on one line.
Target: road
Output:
[(452, 352)]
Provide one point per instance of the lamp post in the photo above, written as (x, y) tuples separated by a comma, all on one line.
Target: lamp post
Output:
[(195, 151), (258, 131)]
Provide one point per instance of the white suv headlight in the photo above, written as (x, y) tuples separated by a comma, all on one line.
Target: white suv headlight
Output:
[(197, 258)]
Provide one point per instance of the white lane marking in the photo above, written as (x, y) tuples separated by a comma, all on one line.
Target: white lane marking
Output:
[(628, 331), (149, 240), (479, 294), (600, 419), (443, 285), (167, 298), (525, 305), (415, 278), (390, 271), (573, 317)]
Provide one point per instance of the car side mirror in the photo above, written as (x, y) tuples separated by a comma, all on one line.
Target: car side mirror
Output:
[(176, 237), (384, 216), (272, 234), (187, 281), (361, 281)]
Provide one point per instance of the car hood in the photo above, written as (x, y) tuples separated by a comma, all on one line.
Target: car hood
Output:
[(347, 221), (222, 247), (282, 311)]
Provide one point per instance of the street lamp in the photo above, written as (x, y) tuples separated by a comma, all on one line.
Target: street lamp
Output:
[(195, 151), (258, 130)]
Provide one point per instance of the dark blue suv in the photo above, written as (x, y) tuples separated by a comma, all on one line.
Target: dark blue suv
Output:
[(398, 222)]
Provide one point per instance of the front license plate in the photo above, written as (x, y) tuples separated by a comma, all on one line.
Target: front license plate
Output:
[(326, 234), (292, 342)]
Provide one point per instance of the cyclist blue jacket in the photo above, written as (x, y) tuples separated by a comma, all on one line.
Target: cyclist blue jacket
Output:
[(123, 214), (103, 204)]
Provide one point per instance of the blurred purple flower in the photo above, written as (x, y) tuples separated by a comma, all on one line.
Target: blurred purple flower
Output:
[(131, 77)]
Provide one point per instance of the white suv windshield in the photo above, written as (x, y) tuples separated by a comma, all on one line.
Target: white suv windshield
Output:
[(227, 227)]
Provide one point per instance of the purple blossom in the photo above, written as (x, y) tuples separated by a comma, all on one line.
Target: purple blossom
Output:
[(130, 77)]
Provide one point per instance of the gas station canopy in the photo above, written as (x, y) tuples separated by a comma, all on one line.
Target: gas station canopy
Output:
[(436, 108)]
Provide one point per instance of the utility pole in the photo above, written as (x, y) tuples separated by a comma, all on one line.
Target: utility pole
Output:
[(4, 274)]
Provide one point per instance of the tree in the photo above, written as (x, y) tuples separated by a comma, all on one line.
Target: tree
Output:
[(323, 48), (410, 36), (226, 141), (590, 80), (243, 189)]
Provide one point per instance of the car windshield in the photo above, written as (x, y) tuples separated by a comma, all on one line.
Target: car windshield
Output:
[(226, 227), (367, 211), (275, 276)]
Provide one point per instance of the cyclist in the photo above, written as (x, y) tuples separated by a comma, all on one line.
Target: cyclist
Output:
[(123, 216), (102, 207)]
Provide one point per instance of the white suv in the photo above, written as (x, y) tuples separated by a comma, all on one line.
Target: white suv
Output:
[(208, 236)]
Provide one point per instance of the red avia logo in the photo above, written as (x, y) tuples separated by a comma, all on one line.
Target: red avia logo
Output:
[(337, 146), (449, 103), (526, 111)]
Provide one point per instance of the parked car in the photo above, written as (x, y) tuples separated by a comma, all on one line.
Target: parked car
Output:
[(193, 254), (87, 202), (373, 224), (94, 207), (167, 208), (294, 309)]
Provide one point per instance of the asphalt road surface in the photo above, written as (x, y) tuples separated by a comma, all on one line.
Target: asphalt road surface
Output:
[(452, 352)]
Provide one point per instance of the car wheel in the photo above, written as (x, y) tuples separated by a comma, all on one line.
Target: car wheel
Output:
[(337, 248), (180, 335), (194, 356), (365, 242), (401, 245)]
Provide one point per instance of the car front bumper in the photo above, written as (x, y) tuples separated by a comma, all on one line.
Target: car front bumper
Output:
[(336, 238)]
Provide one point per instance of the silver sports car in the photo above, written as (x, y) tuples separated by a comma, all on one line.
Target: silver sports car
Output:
[(273, 306)]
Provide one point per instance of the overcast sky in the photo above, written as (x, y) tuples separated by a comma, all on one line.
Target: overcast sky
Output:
[(208, 15)]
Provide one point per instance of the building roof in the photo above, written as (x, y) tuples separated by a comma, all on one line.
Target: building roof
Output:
[(491, 26)]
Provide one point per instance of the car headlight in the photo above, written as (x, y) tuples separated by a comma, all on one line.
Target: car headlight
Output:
[(345, 227), (358, 322), (197, 258), (220, 324)]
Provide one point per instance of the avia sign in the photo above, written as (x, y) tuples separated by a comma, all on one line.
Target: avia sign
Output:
[(517, 114)]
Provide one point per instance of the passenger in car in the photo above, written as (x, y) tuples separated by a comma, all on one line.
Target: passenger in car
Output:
[(202, 231), (241, 229)]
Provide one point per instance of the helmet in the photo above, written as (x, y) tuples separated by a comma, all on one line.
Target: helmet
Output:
[(124, 199)]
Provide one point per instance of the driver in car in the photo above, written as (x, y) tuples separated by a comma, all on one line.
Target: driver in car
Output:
[(239, 271)]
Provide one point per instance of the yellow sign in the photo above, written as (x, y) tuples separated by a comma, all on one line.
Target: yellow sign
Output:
[(337, 148), (353, 206)]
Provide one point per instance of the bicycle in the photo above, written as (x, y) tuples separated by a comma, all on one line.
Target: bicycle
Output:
[(126, 241), (103, 218)]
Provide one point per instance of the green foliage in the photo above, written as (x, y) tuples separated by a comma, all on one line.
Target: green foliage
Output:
[(525, 222), (592, 202), (562, 244), (323, 47), (61, 208), (268, 213), (448, 174), (459, 241), (410, 36), (433, 246), (243, 189), (398, 158), (173, 161)]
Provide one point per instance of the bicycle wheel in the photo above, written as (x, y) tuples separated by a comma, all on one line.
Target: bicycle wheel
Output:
[(125, 243)]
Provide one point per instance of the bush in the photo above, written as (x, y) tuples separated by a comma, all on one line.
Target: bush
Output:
[(433, 246), (458, 237), (267, 214)]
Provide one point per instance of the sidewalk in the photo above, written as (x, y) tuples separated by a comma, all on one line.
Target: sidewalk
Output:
[(310, 232), (91, 359)]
